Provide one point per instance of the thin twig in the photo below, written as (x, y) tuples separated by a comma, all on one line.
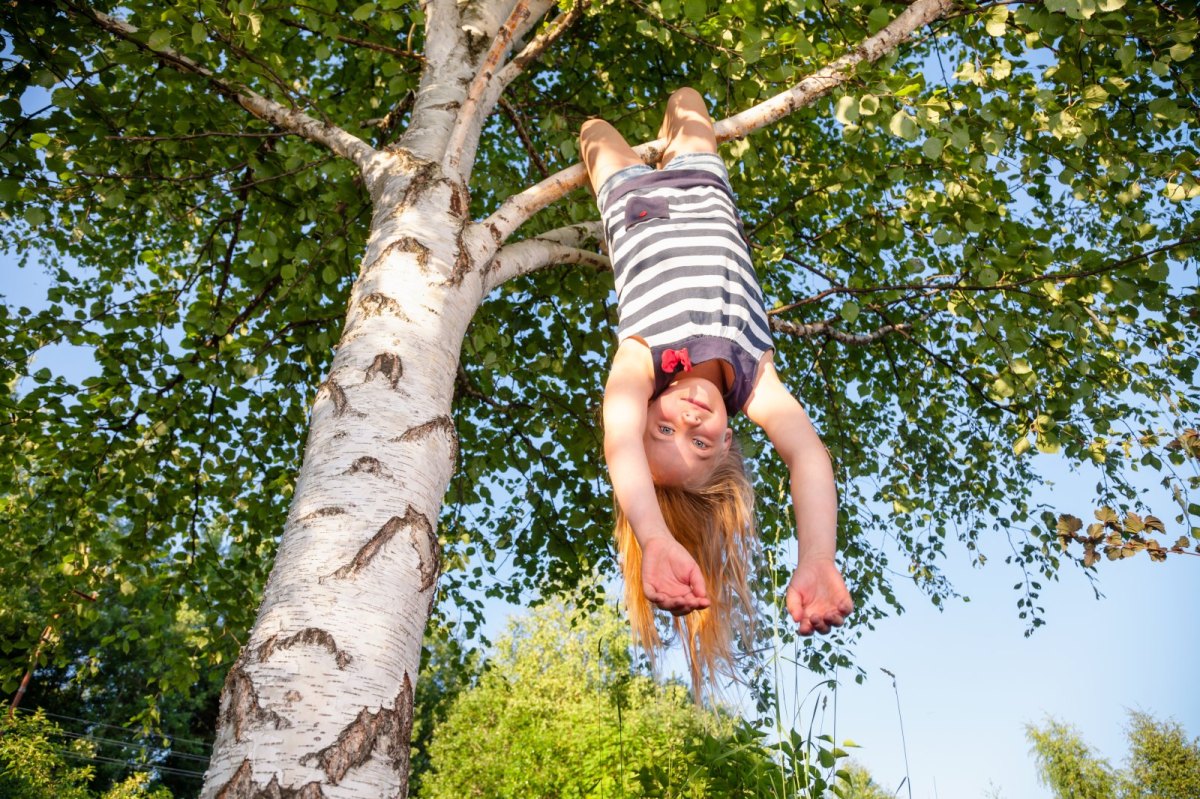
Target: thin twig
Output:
[(523, 135), (382, 48)]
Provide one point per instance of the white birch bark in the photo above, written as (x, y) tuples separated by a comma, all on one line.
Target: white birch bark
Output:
[(320, 701)]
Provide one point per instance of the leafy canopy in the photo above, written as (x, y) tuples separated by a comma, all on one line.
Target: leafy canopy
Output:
[(990, 234)]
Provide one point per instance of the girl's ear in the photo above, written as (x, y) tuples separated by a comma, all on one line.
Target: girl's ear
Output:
[(728, 439)]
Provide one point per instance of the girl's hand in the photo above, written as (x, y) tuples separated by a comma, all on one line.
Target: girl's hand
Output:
[(817, 598), (671, 578)]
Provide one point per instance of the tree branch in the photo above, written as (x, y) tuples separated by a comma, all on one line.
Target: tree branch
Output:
[(334, 138), (517, 209), (523, 135), (540, 43), (363, 43), (559, 246), (826, 329), (929, 288), (472, 107)]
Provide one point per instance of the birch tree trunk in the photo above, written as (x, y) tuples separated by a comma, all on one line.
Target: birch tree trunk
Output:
[(320, 701)]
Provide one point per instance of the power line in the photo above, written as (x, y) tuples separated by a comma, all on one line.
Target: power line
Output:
[(131, 730), (132, 745), (135, 766)]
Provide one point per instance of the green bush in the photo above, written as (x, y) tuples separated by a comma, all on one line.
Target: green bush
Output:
[(37, 762)]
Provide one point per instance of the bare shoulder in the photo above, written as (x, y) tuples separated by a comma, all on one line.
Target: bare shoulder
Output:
[(632, 367), (770, 399)]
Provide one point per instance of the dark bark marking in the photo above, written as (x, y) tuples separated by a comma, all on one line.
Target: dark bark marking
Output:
[(241, 705), (460, 200), (388, 730), (412, 519), (370, 466), (442, 423), (376, 304), (309, 636), (406, 244), (387, 364), (495, 231), (425, 543), (320, 513), (242, 786), (340, 403), (462, 265)]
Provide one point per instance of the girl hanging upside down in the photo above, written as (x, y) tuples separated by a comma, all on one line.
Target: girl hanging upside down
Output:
[(695, 349)]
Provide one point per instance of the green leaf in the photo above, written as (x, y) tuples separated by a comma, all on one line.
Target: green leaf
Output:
[(363, 12), (932, 148), (39, 140), (199, 33), (159, 39), (996, 20), (846, 110), (849, 311), (878, 18), (901, 124)]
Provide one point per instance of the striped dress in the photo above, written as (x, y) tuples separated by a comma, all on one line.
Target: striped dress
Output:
[(684, 277)]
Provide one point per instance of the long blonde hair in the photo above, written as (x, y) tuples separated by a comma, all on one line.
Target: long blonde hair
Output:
[(715, 524)]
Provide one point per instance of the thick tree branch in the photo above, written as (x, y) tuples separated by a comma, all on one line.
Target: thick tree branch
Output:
[(519, 208), (540, 43), (565, 245), (473, 107), (339, 141)]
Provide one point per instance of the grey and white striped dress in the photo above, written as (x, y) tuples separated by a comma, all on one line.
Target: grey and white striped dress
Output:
[(684, 276)]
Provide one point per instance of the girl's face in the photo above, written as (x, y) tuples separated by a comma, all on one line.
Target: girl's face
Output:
[(687, 432)]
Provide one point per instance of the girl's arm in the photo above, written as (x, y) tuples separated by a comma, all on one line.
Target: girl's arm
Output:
[(670, 577), (816, 596)]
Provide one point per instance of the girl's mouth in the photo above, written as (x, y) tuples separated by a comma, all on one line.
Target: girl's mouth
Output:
[(697, 403)]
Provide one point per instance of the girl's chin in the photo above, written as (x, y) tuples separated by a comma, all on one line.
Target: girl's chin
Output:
[(691, 380)]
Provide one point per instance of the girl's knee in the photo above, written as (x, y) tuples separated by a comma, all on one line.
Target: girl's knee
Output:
[(685, 96), (594, 129)]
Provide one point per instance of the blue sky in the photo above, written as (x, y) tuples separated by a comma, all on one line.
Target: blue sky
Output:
[(969, 681)]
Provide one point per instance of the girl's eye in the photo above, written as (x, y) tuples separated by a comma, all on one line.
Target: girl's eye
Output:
[(666, 431), (700, 444)]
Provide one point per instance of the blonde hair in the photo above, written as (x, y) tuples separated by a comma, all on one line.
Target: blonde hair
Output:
[(715, 524)]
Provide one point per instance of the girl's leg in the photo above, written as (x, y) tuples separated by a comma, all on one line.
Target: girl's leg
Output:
[(604, 152), (686, 126)]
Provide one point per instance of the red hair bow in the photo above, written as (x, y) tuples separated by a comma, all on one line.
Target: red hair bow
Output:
[(673, 359)]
